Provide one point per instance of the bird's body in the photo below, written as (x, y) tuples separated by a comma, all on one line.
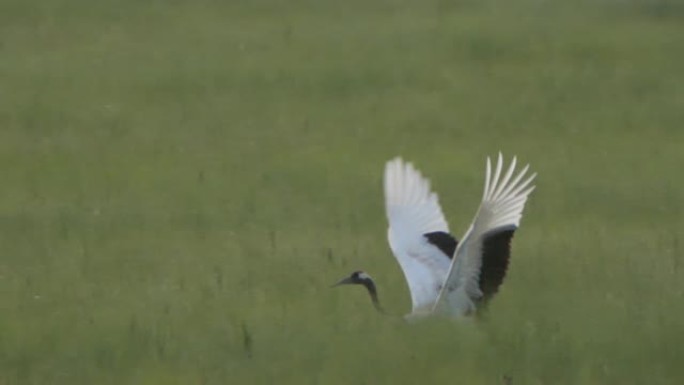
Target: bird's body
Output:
[(446, 276)]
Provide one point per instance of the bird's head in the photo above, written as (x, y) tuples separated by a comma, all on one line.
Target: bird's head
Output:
[(362, 278), (356, 278)]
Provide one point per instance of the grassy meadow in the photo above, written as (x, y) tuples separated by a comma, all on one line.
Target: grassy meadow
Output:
[(183, 180)]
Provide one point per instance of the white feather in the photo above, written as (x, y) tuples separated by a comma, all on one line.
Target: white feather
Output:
[(501, 208), (413, 210)]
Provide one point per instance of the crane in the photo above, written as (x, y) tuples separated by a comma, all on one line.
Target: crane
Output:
[(445, 276)]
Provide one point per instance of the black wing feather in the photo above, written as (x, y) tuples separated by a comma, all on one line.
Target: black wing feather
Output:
[(496, 252), (444, 241)]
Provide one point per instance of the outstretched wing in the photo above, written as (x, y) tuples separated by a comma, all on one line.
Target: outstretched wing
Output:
[(418, 234), (481, 259)]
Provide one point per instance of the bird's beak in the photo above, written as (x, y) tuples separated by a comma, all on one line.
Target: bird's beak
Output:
[(345, 281)]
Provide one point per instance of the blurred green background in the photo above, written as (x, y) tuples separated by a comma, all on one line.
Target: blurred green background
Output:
[(183, 180)]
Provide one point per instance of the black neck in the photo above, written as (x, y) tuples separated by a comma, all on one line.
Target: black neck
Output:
[(373, 292)]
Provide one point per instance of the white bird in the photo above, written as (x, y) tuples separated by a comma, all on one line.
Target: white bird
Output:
[(445, 276)]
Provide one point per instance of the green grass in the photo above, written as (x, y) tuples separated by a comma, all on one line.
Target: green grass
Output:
[(183, 180)]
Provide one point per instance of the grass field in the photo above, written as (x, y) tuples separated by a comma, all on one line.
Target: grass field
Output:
[(183, 180)]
